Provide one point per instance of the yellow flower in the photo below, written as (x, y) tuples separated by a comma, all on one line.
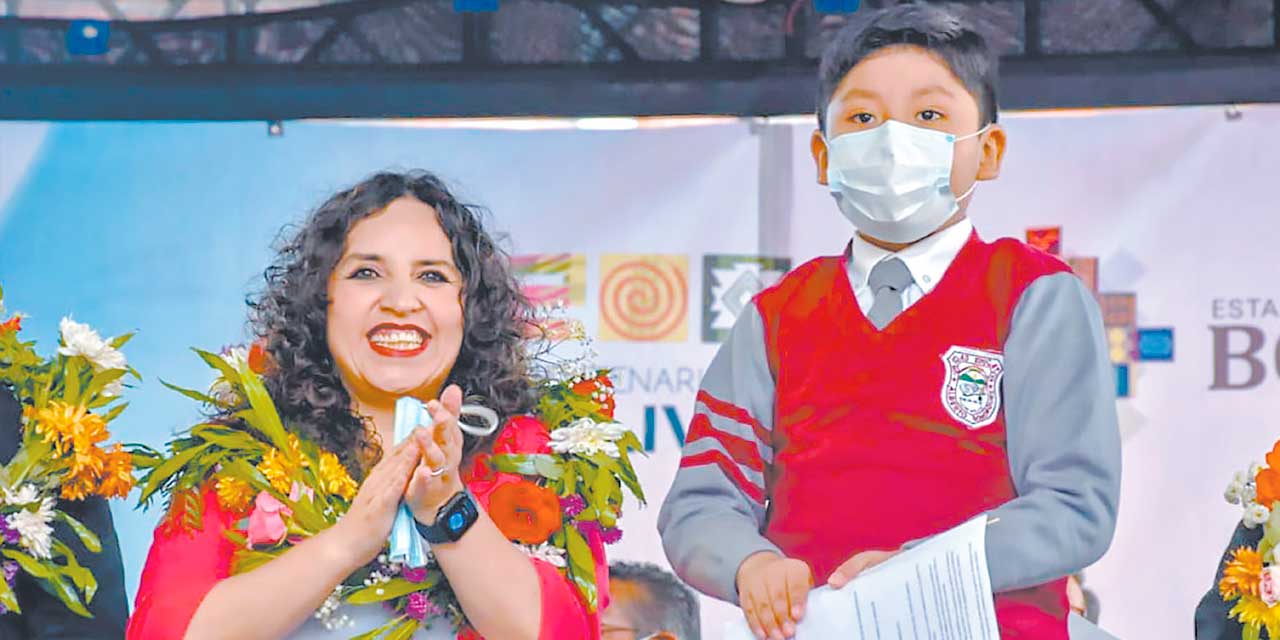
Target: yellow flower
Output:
[(1254, 612), (235, 495), (1241, 575), (277, 470), (335, 477), (68, 427), (78, 487), (117, 475)]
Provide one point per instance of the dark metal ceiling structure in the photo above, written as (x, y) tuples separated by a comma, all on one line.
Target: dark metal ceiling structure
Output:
[(284, 59)]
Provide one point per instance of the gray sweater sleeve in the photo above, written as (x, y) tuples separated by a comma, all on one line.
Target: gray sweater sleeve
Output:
[(1063, 438), (713, 515)]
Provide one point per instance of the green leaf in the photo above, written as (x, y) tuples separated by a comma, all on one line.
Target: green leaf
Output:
[(529, 464), (582, 566), (71, 379), (8, 598), (570, 478), (1250, 632), (377, 633), (268, 420), (604, 490), (215, 361), (193, 394), (115, 412), (398, 587), (228, 438), (404, 631), (80, 576), (99, 381), (61, 589), (168, 468), (87, 537)]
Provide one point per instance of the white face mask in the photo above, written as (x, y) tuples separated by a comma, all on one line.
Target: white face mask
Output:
[(893, 182)]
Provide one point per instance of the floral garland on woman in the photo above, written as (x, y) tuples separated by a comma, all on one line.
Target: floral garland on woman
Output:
[(547, 503), (1251, 577), (67, 402)]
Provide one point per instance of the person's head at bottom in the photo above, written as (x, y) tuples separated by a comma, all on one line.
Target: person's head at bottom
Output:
[(647, 603)]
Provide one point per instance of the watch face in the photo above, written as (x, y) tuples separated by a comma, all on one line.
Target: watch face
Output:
[(460, 516)]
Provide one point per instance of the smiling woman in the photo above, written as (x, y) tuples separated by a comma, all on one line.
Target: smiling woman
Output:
[(391, 289)]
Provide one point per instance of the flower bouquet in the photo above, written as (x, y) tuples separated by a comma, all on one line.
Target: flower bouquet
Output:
[(1251, 578), (67, 402), (548, 503)]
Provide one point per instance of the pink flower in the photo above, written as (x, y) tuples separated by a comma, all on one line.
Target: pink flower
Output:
[(1269, 586), (420, 607), (414, 575), (573, 504), (611, 535), (266, 521), (589, 527)]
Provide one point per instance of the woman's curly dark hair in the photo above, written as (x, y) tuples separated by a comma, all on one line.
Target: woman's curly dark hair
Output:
[(290, 316)]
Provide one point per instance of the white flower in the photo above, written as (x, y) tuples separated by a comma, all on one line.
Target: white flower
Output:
[(1256, 515), (223, 392), (553, 556), (586, 437), (24, 496), (1250, 493), (33, 526), (81, 340), (236, 356), (1234, 492), (113, 388)]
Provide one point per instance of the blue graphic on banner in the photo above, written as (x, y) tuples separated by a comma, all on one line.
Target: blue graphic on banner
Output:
[(1155, 344)]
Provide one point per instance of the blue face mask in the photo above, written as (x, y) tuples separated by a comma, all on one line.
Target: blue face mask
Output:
[(893, 182)]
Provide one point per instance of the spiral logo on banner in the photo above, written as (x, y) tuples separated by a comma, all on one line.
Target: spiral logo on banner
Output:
[(644, 298)]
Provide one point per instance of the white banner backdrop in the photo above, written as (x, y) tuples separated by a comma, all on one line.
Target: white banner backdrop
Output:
[(1178, 204)]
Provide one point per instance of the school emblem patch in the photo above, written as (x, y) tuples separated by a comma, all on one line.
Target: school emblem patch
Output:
[(971, 390)]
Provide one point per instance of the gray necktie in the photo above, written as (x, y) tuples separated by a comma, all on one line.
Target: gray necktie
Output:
[(888, 280)]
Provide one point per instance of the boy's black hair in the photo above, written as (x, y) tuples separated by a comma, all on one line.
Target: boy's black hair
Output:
[(667, 604), (938, 29)]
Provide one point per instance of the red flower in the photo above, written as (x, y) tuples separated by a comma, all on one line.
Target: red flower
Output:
[(523, 434), (13, 324), (525, 512)]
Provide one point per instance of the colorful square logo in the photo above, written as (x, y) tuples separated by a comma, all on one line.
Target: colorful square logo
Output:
[(1155, 344), (1087, 270), (644, 298), (1119, 309), (729, 282), (548, 278), (1046, 239)]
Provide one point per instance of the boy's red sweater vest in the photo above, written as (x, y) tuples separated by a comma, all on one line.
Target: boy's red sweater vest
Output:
[(866, 455)]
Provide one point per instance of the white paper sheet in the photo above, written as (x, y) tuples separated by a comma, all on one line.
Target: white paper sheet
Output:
[(939, 589)]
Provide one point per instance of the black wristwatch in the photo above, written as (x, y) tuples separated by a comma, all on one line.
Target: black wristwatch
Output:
[(452, 520)]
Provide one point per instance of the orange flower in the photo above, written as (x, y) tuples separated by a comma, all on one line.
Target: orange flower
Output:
[(1268, 484), (117, 475), (259, 360), (13, 324), (525, 512), (78, 487), (1241, 575), (600, 389)]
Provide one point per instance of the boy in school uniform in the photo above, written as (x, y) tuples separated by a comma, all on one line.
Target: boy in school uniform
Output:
[(922, 378)]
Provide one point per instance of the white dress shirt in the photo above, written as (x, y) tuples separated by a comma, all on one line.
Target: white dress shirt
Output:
[(927, 261)]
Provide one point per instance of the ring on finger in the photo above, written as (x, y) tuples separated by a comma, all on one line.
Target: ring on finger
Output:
[(436, 473)]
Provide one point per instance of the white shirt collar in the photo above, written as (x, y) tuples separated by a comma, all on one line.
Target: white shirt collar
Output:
[(927, 260)]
